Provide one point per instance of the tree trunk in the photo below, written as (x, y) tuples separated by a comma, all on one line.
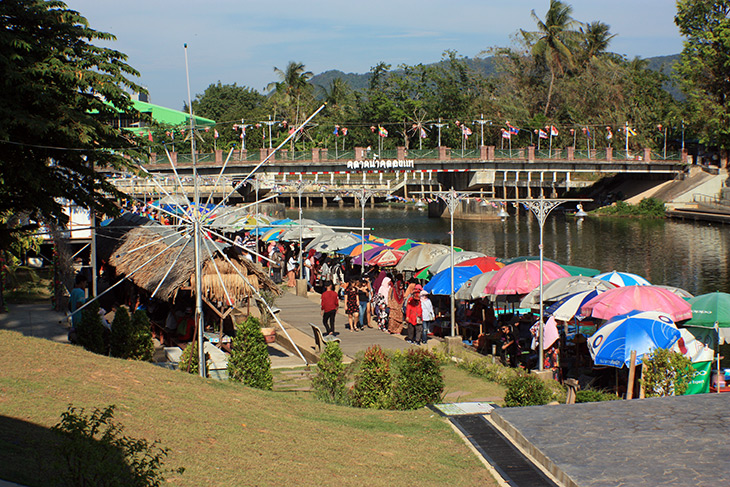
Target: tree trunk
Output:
[(550, 91)]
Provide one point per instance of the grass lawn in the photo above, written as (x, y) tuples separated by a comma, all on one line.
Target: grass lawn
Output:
[(222, 433), (460, 386)]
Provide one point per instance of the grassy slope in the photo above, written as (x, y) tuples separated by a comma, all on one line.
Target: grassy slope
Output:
[(222, 433)]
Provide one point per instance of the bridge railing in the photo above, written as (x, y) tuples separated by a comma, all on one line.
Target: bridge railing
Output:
[(423, 154)]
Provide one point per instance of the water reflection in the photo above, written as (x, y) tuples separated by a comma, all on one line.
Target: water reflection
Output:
[(693, 256)]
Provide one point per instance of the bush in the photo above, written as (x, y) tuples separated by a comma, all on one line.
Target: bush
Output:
[(95, 452), (121, 331), (90, 333), (666, 373), (528, 390), (373, 384), (592, 395), (648, 207), (249, 361), (189, 361), (141, 346), (493, 372), (418, 379), (330, 379)]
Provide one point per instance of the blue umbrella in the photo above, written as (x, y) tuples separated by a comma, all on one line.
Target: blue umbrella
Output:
[(622, 279), (441, 282), (566, 308), (640, 331)]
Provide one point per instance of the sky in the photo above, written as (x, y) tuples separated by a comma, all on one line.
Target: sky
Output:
[(241, 41)]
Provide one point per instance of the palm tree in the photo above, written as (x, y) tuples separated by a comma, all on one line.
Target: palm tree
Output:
[(596, 38), (555, 39), (294, 80)]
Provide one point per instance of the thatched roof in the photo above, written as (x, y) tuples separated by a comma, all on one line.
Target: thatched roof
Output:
[(142, 244)]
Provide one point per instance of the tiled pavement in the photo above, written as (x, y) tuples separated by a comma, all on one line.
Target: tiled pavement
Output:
[(675, 441)]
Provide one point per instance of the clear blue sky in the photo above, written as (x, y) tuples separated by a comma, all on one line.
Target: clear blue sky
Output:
[(242, 40)]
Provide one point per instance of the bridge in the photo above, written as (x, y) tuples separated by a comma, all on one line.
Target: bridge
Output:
[(496, 173)]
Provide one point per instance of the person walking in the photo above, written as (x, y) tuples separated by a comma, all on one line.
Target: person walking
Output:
[(428, 316), (329, 304), (395, 303), (352, 306), (414, 320), (364, 300)]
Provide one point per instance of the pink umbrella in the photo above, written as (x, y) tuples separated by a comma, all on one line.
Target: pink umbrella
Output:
[(621, 300), (523, 277)]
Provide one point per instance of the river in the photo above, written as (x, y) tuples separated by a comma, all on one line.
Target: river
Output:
[(693, 256)]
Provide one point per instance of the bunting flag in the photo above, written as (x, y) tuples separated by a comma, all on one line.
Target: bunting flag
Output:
[(466, 131), (587, 131), (215, 134), (336, 133), (554, 131), (506, 134), (149, 136), (609, 133), (207, 129), (344, 131), (512, 130), (382, 132), (542, 134), (423, 133), (630, 132)]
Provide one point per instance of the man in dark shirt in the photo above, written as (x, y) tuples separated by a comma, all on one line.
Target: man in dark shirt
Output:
[(329, 303)]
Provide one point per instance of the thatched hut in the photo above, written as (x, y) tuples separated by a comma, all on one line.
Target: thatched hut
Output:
[(170, 266)]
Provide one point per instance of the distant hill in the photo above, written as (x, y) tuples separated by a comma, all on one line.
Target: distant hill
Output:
[(485, 66)]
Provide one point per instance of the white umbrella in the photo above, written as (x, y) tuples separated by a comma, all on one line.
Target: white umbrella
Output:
[(307, 231), (331, 242), (563, 287), (444, 262), (421, 256), (474, 287)]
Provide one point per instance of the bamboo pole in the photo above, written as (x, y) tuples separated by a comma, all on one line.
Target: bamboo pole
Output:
[(632, 376)]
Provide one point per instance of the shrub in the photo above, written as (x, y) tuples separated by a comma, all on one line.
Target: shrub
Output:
[(141, 346), (95, 452), (493, 372), (666, 373), (90, 333), (418, 379), (592, 395), (329, 382), (527, 390), (249, 361), (189, 361), (373, 384), (121, 331)]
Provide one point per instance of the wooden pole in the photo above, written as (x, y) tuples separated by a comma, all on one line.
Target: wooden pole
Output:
[(632, 375), (642, 391)]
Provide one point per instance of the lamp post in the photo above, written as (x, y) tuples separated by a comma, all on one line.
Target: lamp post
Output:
[(363, 197), (482, 122), (440, 126), (270, 123)]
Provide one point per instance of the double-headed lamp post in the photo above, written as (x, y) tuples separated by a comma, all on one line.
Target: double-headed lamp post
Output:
[(541, 208), (363, 196)]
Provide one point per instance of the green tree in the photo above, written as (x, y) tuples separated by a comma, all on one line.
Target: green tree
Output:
[(57, 93), (374, 383), (141, 345), (595, 39), (120, 334), (704, 66), (329, 381), (90, 333), (249, 361), (666, 373), (556, 37)]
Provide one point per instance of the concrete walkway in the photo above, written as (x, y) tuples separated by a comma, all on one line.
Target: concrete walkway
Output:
[(35, 320), (672, 441), (298, 312)]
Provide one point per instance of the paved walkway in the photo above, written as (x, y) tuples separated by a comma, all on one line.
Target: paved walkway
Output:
[(298, 312), (674, 441), (36, 320)]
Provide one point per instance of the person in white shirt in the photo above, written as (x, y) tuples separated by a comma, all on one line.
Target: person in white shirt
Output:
[(428, 316)]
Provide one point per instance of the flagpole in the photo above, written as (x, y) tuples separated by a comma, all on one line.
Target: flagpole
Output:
[(626, 132)]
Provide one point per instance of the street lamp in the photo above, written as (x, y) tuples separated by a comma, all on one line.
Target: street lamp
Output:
[(363, 197), (482, 122), (440, 126)]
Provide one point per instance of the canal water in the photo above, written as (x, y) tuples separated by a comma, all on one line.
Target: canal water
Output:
[(693, 256)]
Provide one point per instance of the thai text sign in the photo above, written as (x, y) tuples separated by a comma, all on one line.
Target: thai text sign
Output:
[(381, 164)]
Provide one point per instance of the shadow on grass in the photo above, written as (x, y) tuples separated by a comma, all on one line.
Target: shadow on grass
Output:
[(32, 455)]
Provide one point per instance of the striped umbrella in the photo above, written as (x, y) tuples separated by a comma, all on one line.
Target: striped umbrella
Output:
[(621, 279)]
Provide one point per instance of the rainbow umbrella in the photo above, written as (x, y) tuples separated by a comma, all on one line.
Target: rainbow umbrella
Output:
[(522, 277), (272, 235), (369, 254), (357, 249), (621, 300), (403, 244)]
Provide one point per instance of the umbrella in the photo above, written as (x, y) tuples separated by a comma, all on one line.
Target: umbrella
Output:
[(485, 263), (309, 229), (563, 287), (421, 256), (272, 235), (678, 291), (386, 258), (370, 253), (523, 258), (566, 308), (474, 287), (331, 242), (642, 298), (403, 244), (441, 282), (579, 271), (640, 331), (444, 262), (711, 311), (623, 279), (522, 277), (380, 240), (358, 248)]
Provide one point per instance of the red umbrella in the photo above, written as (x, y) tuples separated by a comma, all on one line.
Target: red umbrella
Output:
[(621, 300), (485, 264), (387, 258), (523, 277)]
